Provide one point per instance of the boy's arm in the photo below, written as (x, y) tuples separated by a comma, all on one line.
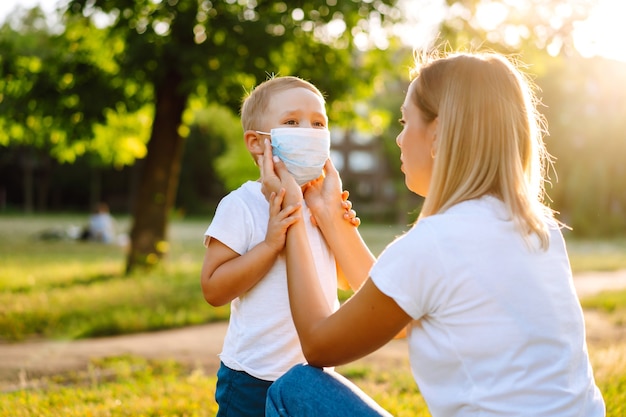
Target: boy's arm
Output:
[(226, 275)]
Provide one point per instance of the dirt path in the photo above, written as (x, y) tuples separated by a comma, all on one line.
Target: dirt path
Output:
[(25, 364)]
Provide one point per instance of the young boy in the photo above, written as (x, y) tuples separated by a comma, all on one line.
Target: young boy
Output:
[(243, 263)]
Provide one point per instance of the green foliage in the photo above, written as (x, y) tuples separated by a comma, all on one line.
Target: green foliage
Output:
[(587, 120), (55, 87), (224, 46), (513, 27), (129, 132), (215, 160), (234, 164)]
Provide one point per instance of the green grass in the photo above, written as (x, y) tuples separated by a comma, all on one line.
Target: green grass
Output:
[(64, 289), (131, 386), (611, 303), (594, 255), (120, 386)]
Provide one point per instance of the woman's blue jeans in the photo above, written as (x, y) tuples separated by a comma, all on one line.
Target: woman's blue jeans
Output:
[(307, 391)]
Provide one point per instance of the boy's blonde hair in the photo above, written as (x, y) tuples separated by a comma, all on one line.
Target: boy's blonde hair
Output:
[(257, 101), (489, 137)]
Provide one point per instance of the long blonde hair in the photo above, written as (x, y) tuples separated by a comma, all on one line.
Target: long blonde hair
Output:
[(489, 137)]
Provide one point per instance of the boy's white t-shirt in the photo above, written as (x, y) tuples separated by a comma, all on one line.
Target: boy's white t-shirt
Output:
[(498, 327), (261, 338)]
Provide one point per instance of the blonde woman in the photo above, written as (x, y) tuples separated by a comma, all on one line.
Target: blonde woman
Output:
[(482, 279)]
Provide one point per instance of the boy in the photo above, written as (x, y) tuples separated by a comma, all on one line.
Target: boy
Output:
[(243, 263)]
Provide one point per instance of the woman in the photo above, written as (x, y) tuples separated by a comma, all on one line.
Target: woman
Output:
[(482, 279)]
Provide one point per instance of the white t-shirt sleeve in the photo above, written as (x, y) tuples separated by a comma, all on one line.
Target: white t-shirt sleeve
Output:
[(409, 271), (232, 224)]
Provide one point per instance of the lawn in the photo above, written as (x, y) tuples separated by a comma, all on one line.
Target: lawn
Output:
[(64, 289)]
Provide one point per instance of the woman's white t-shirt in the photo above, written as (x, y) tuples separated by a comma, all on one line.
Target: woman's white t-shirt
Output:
[(498, 327), (261, 338)]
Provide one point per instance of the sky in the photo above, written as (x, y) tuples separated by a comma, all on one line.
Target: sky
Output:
[(601, 34)]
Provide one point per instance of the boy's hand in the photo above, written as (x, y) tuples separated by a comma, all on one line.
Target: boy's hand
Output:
[(280, 220), (274, 177)]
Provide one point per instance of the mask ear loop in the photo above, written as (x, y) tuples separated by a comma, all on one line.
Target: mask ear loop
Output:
[(266, 134)]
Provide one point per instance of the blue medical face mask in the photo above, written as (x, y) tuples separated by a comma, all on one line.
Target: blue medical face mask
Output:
[(303, 150)]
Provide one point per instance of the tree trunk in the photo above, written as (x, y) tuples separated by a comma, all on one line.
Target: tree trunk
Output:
[(46, 166), (27, 160), (95, 187), (159, 177)]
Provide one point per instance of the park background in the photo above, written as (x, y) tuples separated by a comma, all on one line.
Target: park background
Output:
[(135, 103)]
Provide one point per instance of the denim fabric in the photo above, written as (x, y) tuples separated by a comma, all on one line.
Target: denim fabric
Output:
[(307, 391), (239, 394)]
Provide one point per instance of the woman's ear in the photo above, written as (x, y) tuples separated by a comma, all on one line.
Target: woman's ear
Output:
[(433, 128), (254, 142)]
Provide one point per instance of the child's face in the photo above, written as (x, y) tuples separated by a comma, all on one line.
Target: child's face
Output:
[(295, 107)]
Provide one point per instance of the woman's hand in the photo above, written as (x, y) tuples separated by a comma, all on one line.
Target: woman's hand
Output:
[(350, 214), (325, 193)]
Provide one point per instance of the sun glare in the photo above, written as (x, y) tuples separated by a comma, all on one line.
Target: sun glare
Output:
[(604, 32)]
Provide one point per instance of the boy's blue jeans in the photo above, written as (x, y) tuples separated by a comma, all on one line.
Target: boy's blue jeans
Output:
[(239, 394), (307, 391)]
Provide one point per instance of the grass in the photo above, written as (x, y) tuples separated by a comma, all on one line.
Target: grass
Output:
[(594, 255), (63, 289), (119, 386), (612, 303), (131, 386)]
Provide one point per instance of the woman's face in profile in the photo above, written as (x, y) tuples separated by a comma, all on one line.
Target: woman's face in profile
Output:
[(416, 142)]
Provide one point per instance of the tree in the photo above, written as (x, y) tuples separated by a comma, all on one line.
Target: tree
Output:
[(585, 104), (531, 26), (49, 96), (187, 47)]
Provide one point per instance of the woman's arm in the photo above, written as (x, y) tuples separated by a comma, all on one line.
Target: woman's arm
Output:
[(364, 323), (368, 320), (326, 200)]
